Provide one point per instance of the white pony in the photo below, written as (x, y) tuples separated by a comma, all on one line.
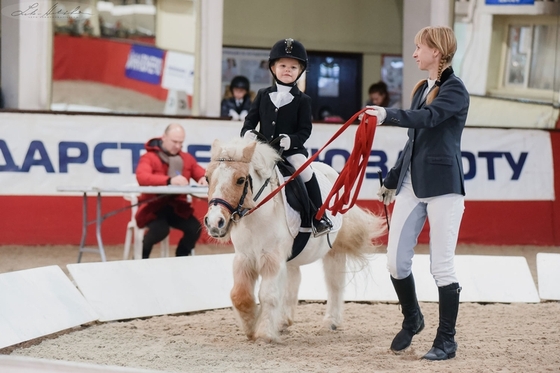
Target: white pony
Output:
[(263, 242)]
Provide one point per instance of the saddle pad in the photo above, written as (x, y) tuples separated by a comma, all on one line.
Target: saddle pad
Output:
[(292, 216)]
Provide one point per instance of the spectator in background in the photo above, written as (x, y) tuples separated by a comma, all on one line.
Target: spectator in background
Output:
[(165, 163), (378, 94), (237, 101)]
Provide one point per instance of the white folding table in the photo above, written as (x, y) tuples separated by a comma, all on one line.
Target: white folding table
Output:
[(194, 190)]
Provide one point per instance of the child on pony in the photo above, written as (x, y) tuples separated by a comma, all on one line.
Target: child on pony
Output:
[(284, 111)]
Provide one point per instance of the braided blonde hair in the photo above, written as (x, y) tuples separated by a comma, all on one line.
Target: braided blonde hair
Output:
[(443, 39)]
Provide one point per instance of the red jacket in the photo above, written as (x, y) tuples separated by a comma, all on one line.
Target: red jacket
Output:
[(152, 171)]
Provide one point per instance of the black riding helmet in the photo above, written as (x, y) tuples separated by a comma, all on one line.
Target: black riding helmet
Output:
[(240, 82), (288, 48)]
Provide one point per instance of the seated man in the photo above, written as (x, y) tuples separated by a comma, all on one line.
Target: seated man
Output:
[(166, 164)]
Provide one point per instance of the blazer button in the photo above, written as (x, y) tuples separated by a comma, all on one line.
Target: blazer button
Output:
[(273, 123), (276, 109)]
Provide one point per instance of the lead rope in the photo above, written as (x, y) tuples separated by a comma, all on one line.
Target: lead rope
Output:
[(364, 138), (354, 170)]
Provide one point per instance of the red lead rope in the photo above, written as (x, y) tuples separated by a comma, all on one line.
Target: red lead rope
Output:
[(354, 169), (345, 191)]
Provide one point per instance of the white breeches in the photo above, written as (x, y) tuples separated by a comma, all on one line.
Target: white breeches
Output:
[(297, 160), (409, 215)]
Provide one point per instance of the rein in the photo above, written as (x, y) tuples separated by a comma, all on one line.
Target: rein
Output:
[(354, 168)]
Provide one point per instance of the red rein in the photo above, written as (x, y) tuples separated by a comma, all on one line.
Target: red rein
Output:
[(345, 191)]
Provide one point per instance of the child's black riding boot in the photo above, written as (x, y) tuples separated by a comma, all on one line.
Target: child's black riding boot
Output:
[(323, 225), (444, 346), (413, 319)]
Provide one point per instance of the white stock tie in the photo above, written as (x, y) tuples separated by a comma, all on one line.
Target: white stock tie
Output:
[(282, 97)]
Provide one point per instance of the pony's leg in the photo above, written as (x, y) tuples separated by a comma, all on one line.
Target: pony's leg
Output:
[(334, 266), (291, 295), (273, 274), (243, 295)]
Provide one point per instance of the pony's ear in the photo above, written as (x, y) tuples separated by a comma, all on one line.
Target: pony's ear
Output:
[(216, 149), (249, 151)]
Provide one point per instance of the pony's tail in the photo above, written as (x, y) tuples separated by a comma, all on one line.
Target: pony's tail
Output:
[(360, 234)]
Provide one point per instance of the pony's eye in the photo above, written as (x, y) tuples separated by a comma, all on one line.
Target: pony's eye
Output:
[(241, 181), (207, 180)]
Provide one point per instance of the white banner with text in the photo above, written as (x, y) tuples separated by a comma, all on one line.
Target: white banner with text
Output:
[(39, 152)]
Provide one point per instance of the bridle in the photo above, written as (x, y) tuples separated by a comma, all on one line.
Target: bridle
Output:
[(238, 212)]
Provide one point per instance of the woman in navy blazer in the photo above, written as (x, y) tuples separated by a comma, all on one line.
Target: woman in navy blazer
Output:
[(428, 183)]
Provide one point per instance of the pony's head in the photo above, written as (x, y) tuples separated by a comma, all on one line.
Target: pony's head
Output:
[(233, 169)]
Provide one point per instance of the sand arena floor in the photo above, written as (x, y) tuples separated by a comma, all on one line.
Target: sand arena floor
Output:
[(491, 337)]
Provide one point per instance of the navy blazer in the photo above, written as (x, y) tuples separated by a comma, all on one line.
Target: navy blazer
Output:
[(433, 149), (230, 104), (293, 119)]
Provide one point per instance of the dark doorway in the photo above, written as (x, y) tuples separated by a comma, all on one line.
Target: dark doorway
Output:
[(334, 81)]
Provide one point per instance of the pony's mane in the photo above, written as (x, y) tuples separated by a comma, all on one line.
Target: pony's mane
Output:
[(264, 157)]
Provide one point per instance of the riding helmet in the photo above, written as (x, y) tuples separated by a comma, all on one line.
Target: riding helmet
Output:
[(288, 48), (240, 82)]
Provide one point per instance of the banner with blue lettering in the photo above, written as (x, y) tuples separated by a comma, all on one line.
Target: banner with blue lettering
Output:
[(145, 64), (39, 152)]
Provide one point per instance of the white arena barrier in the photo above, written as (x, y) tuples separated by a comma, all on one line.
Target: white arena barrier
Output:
[(127, 289), (140, 288), (42, 301), (548, 275), (484, 278), (23, 364), (38, 302)]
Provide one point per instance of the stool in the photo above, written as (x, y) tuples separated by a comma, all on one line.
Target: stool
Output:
[(135, 235)]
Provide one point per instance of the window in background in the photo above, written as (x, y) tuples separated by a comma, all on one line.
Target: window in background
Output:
[(106, 58), (111, 19), (334, 82), (392, 75), (544, 58), (532, 59), (329, 73), (251, 63)]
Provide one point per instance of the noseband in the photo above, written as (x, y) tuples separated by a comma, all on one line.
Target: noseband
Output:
[(238, 212)]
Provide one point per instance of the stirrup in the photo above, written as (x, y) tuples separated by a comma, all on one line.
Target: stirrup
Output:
[(325, 226)]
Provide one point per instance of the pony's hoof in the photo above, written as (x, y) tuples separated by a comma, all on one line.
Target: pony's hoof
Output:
[(267, 339), (284, 327), (330, 323)]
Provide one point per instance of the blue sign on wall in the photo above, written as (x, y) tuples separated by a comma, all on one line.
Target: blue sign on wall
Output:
[(510, 2), (145, 64)]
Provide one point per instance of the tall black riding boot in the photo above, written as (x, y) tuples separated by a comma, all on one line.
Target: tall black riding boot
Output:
[(323, 225), (444, 346), (413, 319)]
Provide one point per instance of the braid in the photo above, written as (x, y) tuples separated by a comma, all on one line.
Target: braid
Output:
[(417, 86), (442, 62), (432, 95)]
